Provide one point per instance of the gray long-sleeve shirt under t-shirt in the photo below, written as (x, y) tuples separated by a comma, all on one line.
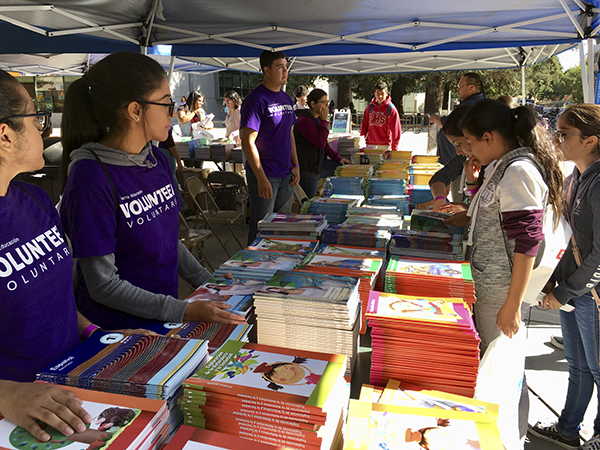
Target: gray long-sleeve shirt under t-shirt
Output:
[(106, 287)]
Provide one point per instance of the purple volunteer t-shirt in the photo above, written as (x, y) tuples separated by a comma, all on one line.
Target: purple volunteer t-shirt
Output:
[(142, 234), (38, 321), (271, 114)]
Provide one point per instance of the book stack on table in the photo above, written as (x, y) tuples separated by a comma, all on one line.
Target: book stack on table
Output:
[(354, 171), (425, 220), (347, 186), (283, 245), (292, 226), (357, 234), (333, 207), (141, 366), (258, 265), (382, 418), (289, 398), (400, 202), (428, 244), (365, 267), (221, 151), (310, 311), (428, 342), (236, 155), (119, 422), (411, 276), (192, 438)]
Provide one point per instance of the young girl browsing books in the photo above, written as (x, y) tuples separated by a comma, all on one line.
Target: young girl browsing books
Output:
[(577, 137), (507, 213), (119, 207)]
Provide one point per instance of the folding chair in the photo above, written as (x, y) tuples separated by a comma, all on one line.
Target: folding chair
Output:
[(213, 215), (231, 180), (194, 238)]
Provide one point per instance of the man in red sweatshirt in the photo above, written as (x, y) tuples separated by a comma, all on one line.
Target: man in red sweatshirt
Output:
[(381, 121)]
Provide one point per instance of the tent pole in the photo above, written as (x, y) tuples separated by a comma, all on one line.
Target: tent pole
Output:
[(523, 84), (171, 67), (590, 69), (584, 78)]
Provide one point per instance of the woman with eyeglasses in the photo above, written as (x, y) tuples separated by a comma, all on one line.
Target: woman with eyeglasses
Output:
[(193, 111), (120, 207), (577, 138), (233, 102), (311, 132), (38, 317)]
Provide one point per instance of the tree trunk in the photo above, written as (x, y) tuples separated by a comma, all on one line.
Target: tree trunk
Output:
[(433, 93), (344, 94), (397, 95)]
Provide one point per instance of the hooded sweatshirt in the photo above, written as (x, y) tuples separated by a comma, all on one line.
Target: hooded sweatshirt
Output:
[(126, 237), (381, 124)]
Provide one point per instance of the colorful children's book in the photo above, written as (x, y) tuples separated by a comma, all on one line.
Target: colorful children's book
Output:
[(376, 425), (282, 245), (137, 365), (426, 220), (118, 422)]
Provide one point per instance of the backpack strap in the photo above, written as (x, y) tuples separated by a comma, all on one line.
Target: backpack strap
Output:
[(34, 199)]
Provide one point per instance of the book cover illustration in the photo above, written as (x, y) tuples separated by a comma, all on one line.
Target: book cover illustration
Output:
[(256, 260), (330, 249), (377, 426), (230, 290), (313, 285), (282, 245), (452, 270), (320, 260), (426, 220), (108, 422), (383, 304), (292, 374)]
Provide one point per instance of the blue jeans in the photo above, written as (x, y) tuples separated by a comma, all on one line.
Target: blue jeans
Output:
[(281, 201), (309, 186), (580, 330)]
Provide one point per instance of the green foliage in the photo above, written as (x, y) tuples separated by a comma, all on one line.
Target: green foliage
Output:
[(294, 81), (363, 86), (570, 86)]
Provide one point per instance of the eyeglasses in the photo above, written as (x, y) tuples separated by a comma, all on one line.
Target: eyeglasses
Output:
[(327, 102), (42, 119), (170, 105), (560, 137), (463, 85)]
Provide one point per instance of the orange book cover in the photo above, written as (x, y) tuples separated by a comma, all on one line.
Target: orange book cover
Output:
[(187, 436)]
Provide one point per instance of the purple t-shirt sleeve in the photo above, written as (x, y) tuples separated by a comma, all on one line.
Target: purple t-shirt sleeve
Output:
[(525, 227)]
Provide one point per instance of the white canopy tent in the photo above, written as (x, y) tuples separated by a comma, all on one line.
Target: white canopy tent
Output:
[(337, 36)]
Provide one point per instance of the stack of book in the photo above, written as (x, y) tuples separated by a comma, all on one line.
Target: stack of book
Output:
[(119, 422), (354, 171), (400, 202), (221, 151), (422, 277), (418, 194), (292, 226), (400, 157), (330, 249), (289, 398), (392, 418), (392, 220), (347, 146), (137, 365), (347, 186), (366, 267), (392, 169), (309, 311), (257, 265), (428, 244), (425, 220), (333, 207), (282, 245), (428, 342), (198, 149), (384, 186), (192, 438), (357, 234), (236, 155)]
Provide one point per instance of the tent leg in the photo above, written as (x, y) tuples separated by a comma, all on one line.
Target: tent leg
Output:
[(590, 68), (171, 67), (584, 78), (523, 85)]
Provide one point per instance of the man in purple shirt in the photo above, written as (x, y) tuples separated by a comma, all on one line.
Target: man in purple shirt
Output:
[(268, 142)]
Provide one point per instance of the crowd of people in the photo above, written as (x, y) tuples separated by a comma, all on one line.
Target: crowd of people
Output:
[(120, 209)]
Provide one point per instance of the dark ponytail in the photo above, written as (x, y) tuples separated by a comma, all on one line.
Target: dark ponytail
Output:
[(95, 103), (519, 128)]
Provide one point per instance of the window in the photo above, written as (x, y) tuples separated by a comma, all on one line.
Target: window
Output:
[(241, 82)]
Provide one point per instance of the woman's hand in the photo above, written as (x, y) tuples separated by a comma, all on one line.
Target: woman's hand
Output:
[(323, 112), (550, 302), (509, 319), (345, 161), (459, 219), (205, 311), (25, 403), (135, 331), (454, 208)]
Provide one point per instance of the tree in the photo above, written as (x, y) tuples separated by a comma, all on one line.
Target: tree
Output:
[(569, 86), (294, 81)]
